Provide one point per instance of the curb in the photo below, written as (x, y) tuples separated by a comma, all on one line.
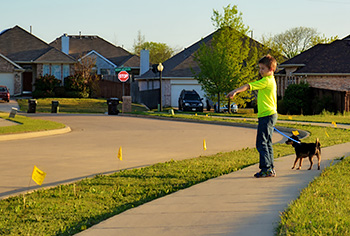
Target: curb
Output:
[(8, 137), (302, 133)]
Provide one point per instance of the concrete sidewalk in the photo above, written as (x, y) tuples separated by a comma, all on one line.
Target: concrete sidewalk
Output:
[(234, 204)]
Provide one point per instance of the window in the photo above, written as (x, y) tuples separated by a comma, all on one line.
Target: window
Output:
[(65, 71), (105, 71), (46, 69), (57, 70)]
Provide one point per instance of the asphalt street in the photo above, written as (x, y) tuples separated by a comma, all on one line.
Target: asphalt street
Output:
[(91, 148)]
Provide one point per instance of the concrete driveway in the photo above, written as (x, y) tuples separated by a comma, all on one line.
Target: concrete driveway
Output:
[(7, 106), (92, 146)]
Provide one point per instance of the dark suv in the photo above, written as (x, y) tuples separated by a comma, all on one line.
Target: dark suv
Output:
[(190, 100)]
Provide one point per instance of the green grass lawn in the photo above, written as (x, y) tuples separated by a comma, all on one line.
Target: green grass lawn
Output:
[(27, 124), (75, 105), (61, 211), (323, 208), (68, 209)]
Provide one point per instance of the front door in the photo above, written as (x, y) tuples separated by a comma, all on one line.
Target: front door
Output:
[(27, 81)]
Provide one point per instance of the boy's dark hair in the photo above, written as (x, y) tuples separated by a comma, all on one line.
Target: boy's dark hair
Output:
[(269, 61)]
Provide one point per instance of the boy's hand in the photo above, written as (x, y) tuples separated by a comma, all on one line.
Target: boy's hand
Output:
[(238, 90), (231, 94)]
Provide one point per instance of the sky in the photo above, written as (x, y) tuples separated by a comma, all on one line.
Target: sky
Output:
[(178, 23)]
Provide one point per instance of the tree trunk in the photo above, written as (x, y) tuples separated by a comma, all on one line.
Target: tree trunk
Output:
[(218, 106), (229, 105)]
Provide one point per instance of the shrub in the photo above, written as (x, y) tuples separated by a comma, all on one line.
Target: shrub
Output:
[(281, 108), (60, 92), (75, 83), (325, 103), (44, 86), (297, 99)]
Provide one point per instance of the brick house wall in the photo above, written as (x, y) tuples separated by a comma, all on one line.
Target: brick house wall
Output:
[(338, 83), (5, 66), (335, 86), (328, 82)]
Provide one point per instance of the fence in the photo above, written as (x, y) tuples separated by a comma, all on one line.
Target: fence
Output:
[(110, 86)]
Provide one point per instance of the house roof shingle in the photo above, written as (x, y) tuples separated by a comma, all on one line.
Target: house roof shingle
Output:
[(21, 46), (330, 58), (80, 45), (183, 65)]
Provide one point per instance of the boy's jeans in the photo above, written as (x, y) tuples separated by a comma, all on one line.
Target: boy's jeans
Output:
[(264, 141)]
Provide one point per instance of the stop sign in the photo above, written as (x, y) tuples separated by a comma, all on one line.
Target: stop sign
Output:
[(123, 76)]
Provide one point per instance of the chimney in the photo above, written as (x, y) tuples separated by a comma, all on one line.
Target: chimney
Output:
[(144, 61), (65, 44)]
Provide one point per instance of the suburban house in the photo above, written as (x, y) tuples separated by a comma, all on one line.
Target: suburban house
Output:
[(10, 75), (178, 74), (325, 67), (109, 60), (107, 56), (30, 57)]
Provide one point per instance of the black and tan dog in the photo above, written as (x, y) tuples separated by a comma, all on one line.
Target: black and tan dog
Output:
[(303, 150)]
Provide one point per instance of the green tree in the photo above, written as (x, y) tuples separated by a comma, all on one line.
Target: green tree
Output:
[(158, 52), (295, 40), (229, 60)]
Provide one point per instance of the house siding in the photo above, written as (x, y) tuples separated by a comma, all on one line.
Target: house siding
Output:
[(5, 66), (338, 83)]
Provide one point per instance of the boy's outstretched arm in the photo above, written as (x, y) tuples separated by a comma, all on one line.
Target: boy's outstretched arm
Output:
[(238, 90)]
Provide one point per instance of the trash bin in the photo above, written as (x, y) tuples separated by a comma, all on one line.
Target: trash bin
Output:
[(54, 106), (31, 106), (112, 106)]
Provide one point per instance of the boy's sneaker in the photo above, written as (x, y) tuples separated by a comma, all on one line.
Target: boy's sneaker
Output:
[(269, 173)]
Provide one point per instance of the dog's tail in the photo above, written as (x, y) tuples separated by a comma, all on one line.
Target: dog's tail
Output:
[(318, 144)]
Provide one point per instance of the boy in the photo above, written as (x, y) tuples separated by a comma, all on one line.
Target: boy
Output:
[(267, 113)]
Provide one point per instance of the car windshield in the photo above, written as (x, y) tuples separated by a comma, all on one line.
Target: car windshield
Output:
[(2, 89), (191, 97)]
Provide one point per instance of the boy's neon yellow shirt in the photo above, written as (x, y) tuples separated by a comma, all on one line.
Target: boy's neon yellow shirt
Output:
[(267, 95)]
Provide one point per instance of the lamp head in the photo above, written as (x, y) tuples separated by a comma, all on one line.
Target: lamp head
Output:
[(160, 67)]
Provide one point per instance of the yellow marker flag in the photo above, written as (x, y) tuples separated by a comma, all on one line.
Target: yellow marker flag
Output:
[(206, 114), (120, 153), (204, 145), (244, 119), (290, 117), (195, 114), (335, 125), (38, 175), (326, 134), (295, 132)]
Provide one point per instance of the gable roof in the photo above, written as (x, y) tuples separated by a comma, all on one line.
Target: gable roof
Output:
[(100, 56), (80, 45), (21, 46), (5, 60), (183, 65), (330, 58)]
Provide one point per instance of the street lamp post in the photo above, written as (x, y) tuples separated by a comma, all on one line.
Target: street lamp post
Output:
[(160, 68)]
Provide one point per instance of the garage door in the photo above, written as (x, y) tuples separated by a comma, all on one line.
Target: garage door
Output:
[(176, 89), (7, 80)]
